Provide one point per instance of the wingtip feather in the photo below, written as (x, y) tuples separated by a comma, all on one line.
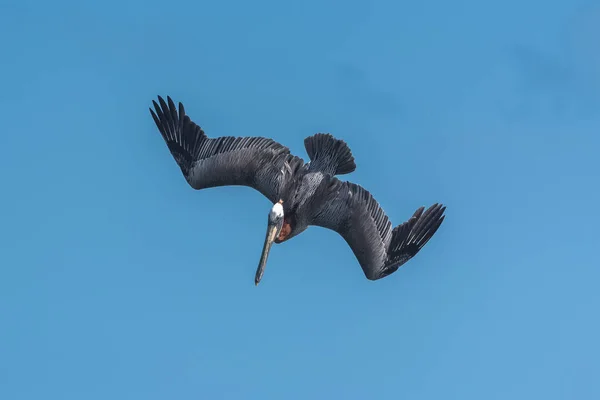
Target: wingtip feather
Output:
[(410, 237)]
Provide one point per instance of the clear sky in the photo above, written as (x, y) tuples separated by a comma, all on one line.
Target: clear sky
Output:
[(118, 281)]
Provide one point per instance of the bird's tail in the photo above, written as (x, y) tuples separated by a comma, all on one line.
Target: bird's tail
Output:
[(183, 137), (410, 237), (329, 154)]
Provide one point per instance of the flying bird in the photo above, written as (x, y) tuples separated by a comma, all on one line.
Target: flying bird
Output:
[(302, 193)]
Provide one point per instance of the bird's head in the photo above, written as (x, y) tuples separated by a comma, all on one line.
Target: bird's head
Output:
[(276, 214), (273, 230)]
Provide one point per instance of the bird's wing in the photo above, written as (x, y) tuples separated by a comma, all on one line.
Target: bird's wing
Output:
[(256, 162), (353, 212)]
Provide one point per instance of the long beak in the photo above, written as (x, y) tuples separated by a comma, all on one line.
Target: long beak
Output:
[(271, 232)]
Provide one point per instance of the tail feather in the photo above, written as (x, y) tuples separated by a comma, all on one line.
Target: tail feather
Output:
[(329, 154)]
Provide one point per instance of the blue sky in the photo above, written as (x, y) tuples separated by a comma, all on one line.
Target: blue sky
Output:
[(119, 281)]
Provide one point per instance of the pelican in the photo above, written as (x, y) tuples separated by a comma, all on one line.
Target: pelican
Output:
[(303, 194)]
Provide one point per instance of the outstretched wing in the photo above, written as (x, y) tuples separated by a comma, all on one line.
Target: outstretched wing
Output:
[(353, 212), (256, 162)]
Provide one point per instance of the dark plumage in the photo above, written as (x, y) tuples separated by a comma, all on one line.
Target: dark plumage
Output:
[(311, 194)]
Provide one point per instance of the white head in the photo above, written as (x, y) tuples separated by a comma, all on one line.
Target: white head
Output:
[(276, 213), (275, 224)]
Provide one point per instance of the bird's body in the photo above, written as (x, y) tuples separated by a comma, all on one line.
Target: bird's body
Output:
[(303, 194)]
